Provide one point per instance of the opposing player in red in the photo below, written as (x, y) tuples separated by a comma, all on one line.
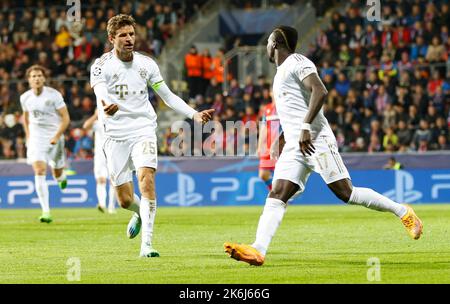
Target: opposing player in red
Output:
[(269, 134)]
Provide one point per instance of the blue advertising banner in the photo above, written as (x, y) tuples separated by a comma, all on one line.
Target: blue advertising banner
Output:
[(233, 188)]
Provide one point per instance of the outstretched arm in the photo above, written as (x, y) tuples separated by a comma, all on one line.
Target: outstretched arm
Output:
[(65, 121), (318, 95), (178, 104), (101, 94), (26, 124)]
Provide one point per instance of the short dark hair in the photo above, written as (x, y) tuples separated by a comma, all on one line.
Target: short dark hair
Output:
[(286, 36), (118, 22)]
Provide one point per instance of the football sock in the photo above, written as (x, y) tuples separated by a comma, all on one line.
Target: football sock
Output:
[(148, 212), (111, 198), (373, 200), (101, 195), (40, 183), (269, 221), (134, 206)]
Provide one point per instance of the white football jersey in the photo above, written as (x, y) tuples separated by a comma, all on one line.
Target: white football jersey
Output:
[(292, 98), (43, 113), (127, 85)]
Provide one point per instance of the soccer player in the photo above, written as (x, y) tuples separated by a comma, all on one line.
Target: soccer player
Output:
[(310, 146), (120, 79), (100, 169), (45, 120), (268, 135)]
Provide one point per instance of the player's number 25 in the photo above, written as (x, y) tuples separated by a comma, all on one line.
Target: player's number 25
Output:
[(148, 147)]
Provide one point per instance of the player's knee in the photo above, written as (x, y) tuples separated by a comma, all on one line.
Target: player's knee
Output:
[(40, 171), (264, 175), (101, 180), (342, 189), (278, 193)]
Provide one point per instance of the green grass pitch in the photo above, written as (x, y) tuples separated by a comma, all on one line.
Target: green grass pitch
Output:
[(314, 244)]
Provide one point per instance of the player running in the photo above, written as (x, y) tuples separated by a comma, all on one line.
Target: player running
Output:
[(45, 120), (310, 146), (120, 79), (100, 169)]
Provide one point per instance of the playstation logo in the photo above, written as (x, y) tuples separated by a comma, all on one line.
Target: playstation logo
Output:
[(404, 188), (185, 196)]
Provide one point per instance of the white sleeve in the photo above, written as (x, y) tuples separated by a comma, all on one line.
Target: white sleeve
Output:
[(101, 93), (304, 68), (173, 100), (23, 104), (59, 101), (97, 74), (154, 73)]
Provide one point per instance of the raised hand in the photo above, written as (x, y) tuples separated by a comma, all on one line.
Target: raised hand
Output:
[(203, 116), (306, 146), (110, 109)]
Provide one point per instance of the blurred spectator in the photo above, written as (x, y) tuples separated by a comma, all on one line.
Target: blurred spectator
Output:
[(378, 74), (422, 137), (393, 164), (83, 146), (207, 69), (63, 40), (342, 84), (213, 88), (382, 99), (442, 143), (404, 136), (218, 66), (193, 63), (436, 51), (235, 90), (390, 140)]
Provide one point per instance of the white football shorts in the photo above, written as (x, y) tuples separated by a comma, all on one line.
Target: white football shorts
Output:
[(53, 155), (125, 156), (326, 161)]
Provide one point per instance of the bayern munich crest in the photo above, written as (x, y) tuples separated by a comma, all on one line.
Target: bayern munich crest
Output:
[(143, 73)]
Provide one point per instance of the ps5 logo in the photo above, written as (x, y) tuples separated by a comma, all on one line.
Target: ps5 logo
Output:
[(75, 193), (185, 195), (404, 188)]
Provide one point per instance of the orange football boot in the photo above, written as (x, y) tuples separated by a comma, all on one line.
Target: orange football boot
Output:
[(412, 223), (245, 253)]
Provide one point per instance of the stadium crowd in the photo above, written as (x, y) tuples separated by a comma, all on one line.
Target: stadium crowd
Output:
[(388, 81), (33, 32)]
